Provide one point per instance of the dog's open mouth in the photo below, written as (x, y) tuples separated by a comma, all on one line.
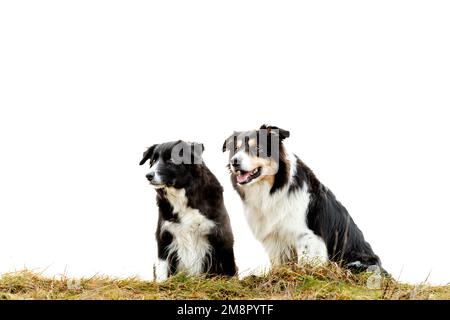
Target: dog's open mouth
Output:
[(244, 177)]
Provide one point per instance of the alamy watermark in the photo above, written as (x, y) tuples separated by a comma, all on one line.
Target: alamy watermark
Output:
[(73, 284), (374, 281)]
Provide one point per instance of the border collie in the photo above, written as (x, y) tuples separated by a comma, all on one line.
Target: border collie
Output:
[(194, 232), (289, 211)]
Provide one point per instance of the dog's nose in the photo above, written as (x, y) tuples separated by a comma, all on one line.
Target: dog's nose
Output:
[(235, 163), (150, 176)]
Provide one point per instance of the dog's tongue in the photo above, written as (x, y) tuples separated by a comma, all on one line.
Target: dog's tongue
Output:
[(243, 177)]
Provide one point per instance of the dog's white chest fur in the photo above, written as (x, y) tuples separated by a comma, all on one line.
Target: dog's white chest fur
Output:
[(279, 222), (189, 233)]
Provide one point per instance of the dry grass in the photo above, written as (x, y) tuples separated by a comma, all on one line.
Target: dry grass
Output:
[(290, 282)]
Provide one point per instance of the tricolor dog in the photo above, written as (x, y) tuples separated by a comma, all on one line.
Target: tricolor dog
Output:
[(193, 233), (288, 209)]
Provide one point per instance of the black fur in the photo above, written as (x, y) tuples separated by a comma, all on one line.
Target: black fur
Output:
[(330, 220), (204, 193), (326, 216)]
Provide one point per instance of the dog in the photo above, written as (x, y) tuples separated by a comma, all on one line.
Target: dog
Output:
[(293, 215), (193, 234)]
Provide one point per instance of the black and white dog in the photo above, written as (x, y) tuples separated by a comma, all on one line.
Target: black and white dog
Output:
[(288, 209), (194, 232)]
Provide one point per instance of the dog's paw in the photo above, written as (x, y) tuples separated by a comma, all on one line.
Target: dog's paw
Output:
[(160, 271)]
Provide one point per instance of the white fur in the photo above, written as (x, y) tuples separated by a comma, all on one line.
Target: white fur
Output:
[(279, 221), (189, 235), (157, 178), (244, 161), (161, 270)]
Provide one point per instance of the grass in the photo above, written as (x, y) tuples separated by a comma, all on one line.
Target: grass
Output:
[(288, 282)]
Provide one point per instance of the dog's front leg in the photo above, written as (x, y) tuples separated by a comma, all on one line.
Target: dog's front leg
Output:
[(161, 270), (278, 251)]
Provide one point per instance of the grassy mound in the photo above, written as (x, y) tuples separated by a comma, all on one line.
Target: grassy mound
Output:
[(289, 282)]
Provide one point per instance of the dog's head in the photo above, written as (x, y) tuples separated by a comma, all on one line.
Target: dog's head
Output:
[(172, 163), (255, 155)]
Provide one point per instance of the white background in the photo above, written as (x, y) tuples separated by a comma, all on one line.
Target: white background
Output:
[(86, 86)]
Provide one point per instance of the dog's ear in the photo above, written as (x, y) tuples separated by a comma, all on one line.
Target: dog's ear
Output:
[(196, 152), (281, 133), (148, 154), (227, 144)]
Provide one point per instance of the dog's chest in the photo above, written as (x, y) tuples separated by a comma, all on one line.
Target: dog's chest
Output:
[(281, 215), (189, 232)]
